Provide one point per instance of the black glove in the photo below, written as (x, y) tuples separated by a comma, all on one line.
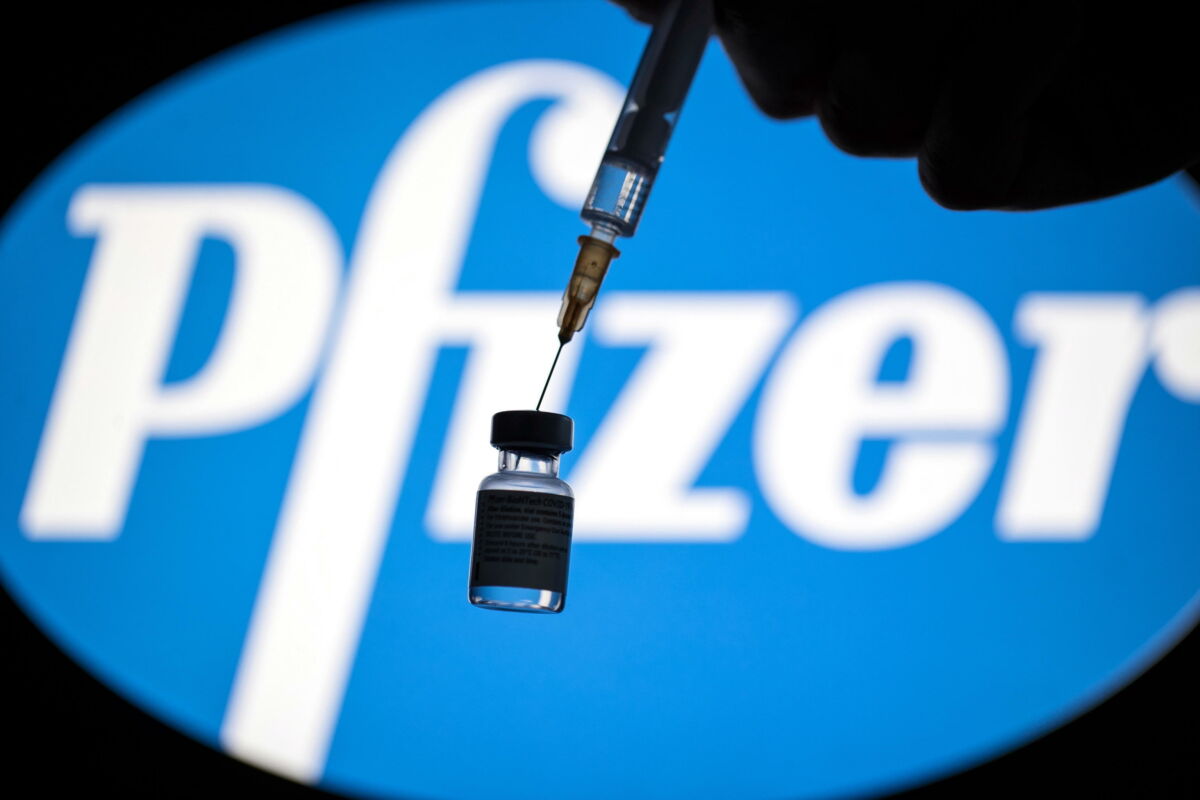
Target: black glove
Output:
[(1019, 105)]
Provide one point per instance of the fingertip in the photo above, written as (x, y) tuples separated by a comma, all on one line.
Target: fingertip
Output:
[(645, 11), (779, 106), (959, 186), (778, 54), (880, 138), (968, 166)]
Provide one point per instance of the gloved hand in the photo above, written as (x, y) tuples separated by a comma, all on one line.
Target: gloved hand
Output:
[(1020, 105)]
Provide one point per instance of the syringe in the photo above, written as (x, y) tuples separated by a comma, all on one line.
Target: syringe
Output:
[(614, 204)]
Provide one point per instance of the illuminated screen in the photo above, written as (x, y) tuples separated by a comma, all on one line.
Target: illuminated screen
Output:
[(867, 490)]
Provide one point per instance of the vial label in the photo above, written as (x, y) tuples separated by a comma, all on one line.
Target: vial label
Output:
[(522, 539)]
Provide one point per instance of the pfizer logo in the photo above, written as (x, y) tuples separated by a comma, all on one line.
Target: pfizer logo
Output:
[(847, 463)]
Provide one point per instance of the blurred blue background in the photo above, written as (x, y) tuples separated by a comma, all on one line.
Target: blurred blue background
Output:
[(764, 666)]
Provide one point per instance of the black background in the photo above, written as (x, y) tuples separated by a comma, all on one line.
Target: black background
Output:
[(65, 68)]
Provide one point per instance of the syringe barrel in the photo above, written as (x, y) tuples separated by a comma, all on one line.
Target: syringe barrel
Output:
[(648, 118)]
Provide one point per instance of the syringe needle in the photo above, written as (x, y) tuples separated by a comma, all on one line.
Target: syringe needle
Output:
[(591, 265), (549, 375), (613, 206)]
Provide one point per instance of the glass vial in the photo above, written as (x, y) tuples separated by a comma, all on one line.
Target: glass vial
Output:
[(523, 515)]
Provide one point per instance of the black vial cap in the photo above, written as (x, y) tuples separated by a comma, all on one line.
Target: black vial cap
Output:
[(535, 431)]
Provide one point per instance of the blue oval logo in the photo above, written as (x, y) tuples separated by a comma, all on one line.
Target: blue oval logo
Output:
[(847, 463)]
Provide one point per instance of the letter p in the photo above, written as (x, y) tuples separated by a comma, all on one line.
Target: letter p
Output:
[(110, 398)]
